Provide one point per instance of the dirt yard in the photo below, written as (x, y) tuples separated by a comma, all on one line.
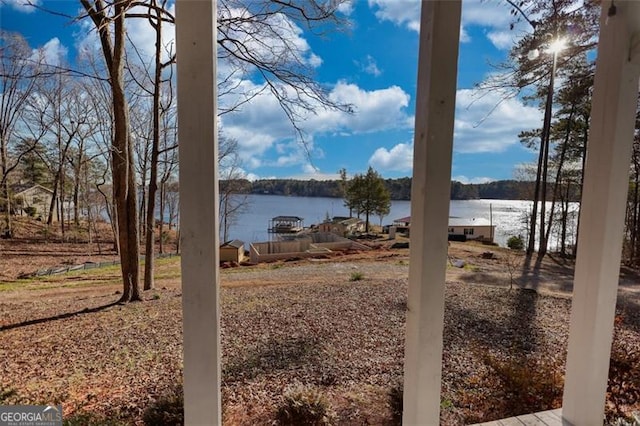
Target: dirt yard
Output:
[(332, 328)]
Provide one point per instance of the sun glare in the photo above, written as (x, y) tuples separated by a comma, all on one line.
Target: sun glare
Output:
[(557, 46)]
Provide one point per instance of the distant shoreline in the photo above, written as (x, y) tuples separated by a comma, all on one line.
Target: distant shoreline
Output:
[(400, 189)]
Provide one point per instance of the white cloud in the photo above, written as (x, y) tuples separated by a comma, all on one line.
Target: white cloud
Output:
[(370, 66), (486, 13), (251, 176), (261, 125), (502, 39), (373, 110), (466, 180), (346, 8), (309, 168), (399, 12), (23, 6), (493, 14), (52, 53), (464, 35), (308, 173), (487, 123), (399, 158), (277, 39)]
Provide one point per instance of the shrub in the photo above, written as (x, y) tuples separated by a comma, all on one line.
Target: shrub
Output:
[(168, 410), (30, 211), (303, 406), (515, 242), (527, 384), (396, 394), (356, 276)]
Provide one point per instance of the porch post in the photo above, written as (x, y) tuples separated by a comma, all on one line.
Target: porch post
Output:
[(430, 195), (199, 238), (602, 216)]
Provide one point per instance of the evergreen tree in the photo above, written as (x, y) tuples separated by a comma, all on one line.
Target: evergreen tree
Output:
[(368, 195)]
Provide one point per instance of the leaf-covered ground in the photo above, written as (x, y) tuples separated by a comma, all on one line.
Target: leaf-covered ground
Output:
[(304, 324)]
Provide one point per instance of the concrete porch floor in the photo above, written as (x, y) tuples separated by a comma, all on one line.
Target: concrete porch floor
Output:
[(543, 418)]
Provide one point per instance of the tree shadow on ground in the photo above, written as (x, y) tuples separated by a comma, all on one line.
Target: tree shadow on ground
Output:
[(517, 331), (270, 356), (628, 312), (58, 317)]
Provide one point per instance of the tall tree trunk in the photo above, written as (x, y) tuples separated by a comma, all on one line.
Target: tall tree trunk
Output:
[(155, 148), (6, 196), (142, 211), (635, 226), (531, 244), (62, 198), (125, 193), (54, 199), (76, 197), (161, 228), (585, 137), (556, 185)]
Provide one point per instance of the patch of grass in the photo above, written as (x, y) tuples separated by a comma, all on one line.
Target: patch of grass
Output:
[(446, 404), (470, 267), (356, 276), (304, 406)]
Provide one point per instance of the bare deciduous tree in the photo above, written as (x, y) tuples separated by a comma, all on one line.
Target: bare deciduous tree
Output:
[(109, 22), (19, 72)]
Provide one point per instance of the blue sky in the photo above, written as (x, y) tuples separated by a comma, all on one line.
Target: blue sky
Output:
[(373, 67)]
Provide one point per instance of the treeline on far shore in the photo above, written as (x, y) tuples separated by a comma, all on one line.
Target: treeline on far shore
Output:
[(400, 189)]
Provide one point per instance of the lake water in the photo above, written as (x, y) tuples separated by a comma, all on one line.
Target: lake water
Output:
[(509, 216)]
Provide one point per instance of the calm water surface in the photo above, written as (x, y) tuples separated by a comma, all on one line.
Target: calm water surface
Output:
[(509, 216)]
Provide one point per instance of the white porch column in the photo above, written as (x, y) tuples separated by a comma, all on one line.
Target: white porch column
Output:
[(601, 225), (430, 194), (199, 239)]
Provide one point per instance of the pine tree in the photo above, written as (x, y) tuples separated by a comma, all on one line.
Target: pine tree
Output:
[(368, 195)]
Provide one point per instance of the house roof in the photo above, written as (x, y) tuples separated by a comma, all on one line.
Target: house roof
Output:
[(406, 219), (233, 243), (456, 221), (20, 188), (284, 218), (343, 220), (464, 221)]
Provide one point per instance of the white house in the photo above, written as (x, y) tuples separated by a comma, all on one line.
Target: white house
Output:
[(476, 228), (611, 130)]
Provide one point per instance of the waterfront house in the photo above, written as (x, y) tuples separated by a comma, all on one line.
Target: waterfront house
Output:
[(343, 226), (459, 228), (476, 228), (232, 251)]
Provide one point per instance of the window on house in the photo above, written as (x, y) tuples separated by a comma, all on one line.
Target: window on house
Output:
[(468, 231), (451, 230)]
